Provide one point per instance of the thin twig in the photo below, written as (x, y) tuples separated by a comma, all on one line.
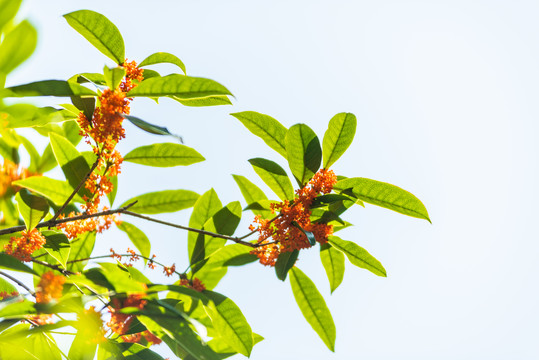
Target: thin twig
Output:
[(18, 282), (75, 191)]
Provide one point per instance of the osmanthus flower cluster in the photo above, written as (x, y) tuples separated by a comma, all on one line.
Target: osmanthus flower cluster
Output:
[(49, 226)]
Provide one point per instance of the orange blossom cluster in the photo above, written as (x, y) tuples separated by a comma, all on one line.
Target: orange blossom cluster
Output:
[(137, 337), (22, 247), (5, 295), (285, 234), (196, 284), (169, 270), (10, 172), (119, 322), (50, 287)]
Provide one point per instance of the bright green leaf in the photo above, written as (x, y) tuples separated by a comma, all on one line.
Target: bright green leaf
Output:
[(9, 10), (113, 76), (57, 246), (100, 32), (181, 86), (81, 248), (267, 128), (163, 57), (274, 176), (27, 115), (338, 137), (205, 101), (10, 263), (164, 155), (47, 88), (162, 201), (205, 207), (251, 193), (313, 307), (358, 256), (333, 261), (17, 46), (32, 208), (137, 237), (303, 152), (55, 190)]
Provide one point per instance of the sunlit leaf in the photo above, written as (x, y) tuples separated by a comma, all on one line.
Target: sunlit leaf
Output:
[(162, 57), (57, 246), (333, 261), (100, 32), (137, 237), (251, 193), (162, 201), (267, 128), (17, 46), (150, 128), (81, 248), (358, 256), (164, 155), (47, 88), (27, 115), (274, 176), (113, 76), (9, 10), (31, 207), (181, 86), (205, 101), (55, 190), (303, 152), (338, 137), (385, 195), (313, 307), (10, 263)]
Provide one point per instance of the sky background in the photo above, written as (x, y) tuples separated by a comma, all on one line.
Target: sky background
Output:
[(445, 93)]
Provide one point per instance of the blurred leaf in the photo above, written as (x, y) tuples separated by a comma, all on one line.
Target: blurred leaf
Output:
[(303, 152), (113, 76), (82, 348), (32, 152), (17, 46), (313, 307), (162, 201), (120, 279), (32, 208), (137, 237), (338, 137), (84, 104), (205, 101), (267, 128), (180, 86), (27, 115), (100, 32), (285, 262), (47, 88), (358, 256), (230, 322), (150, 128), (55, 190), (47, 161), (10, 263), (333, 261), (94, 78), (57, 246), (162, 57), (9, 10), (164, 155), (274, 176), (81, 248), (385, 195)]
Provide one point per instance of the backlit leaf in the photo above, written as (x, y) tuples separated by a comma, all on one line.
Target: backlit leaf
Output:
[(57, 246), (150, 128), (81, 248), (8, 262), (267, 128), (164, 155), (303, 152), (205, 207), (358, 256), (9, 10), (31, 207), (27, 115), (181, 86), (55, 190), (274, 176), (338, 137), (47, 88), (162, 57), (162, 201), (205, 101), (333, 261), (137, 237), (251, 193), (113, 76), (285, 262), (17, 46)]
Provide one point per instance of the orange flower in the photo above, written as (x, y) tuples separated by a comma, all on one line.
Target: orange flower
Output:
[(5, 295), (137, 337), (23, 247), (196, 284), (285, 230), (119, 322), (75, 228), (10, 172), (50, 287), (132, 72), (169, 270), (41, 319)]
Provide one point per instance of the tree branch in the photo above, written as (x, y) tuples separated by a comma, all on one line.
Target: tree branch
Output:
[(18, 283)]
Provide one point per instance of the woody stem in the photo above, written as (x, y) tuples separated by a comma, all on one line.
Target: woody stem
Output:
[(18, 283)]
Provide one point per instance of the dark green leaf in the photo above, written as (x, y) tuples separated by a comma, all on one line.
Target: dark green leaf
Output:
[(338, 137), (163, 57), (32, 208), (152, 129), (385, 195), (274, 176), (308, 234), (137, 237), (162, 201), (358, 256), (10, 263), (47, 88), (313, 307), (285, 262), (230, 323), (267, 128), (100, 32), (303, 152), (164, 155), (84, 104), (181, 86), (17, 46), (333, 261)]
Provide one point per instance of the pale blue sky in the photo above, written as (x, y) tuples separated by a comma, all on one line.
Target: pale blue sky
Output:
[(445, 93)]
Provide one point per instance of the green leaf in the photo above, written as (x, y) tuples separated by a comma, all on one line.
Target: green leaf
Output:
[(27, 115), (32, 152), (251, 193), (55, 190), (94, 78), (84, 104), (303, 152), (358, 256), (205, 207), (232, 255), (180, 86), (73, 164), (57, 246), (10, 263), (205, 101), (112, 195), (274, 176), (385, 195), (164, 155), (17, 46), (162, 201), (163, 57), (100, 32), (120, 279), (82, 348), (32, 208), (338, 137), (9, 10), (333, 261), (230, 323), (328, 199), (285, 262), (150, 128), (308, 234), (113, 76), (137, 237), (6, 286), (313, 307), (267, 128), (47, 88), (81, 248)]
